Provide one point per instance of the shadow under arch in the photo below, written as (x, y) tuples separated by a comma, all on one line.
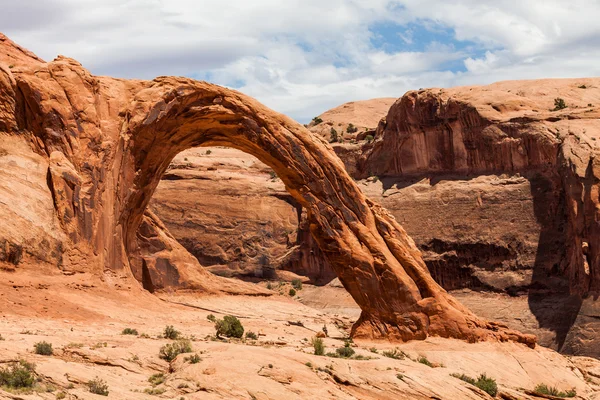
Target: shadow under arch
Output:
[(370, 252)]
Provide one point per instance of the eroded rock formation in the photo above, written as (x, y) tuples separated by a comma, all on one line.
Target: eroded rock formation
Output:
[(107, 142)]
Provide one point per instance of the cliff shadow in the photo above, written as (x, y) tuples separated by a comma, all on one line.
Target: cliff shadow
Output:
[(549, 298)]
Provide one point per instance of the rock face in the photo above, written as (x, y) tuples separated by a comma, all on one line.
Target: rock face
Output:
[(108, 142), (499, 192), (234, 215)]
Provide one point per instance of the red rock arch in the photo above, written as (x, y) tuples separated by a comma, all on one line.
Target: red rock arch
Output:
[(372, 255)]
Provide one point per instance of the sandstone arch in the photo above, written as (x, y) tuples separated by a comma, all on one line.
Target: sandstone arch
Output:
[(109, 141)]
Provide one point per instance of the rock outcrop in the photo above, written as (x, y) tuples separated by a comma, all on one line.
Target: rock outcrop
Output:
[(498, 190), (107, 143)]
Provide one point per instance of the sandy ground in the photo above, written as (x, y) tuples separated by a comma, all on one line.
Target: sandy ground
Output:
[(84, 324)]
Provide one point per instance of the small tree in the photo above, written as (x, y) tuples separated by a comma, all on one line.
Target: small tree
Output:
[(229, 326), (318, 345), (559, 104), (333, 135)]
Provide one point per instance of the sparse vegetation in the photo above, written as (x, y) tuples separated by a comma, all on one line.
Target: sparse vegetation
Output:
[(193, 359), (369, 138), (43, 348), (129, 331), (292, 292), (483, 382), (351, 128), (333, 135), (229, 326), (171, 333), (373, 350), (425, 361), (559, 104), (61, 395), (400, 376), (542, 388), (156, 379), (208, 152), (346, 351), (269, 286), (211, 318), (251, 335), (317, 120), (582, 87), (297, 284), (395, 354), (154, 391), (98, 386), (170, 351), (18, 375), (318, 345), (309, 364)]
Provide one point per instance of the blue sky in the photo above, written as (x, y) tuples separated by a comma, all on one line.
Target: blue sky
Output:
[(302, 57)]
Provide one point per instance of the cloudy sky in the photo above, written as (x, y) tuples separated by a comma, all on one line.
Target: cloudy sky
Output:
[(302, 57)]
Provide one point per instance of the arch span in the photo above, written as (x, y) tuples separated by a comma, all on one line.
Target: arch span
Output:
[(372, 255)]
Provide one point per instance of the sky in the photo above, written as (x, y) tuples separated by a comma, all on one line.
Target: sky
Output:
[(303, 57)]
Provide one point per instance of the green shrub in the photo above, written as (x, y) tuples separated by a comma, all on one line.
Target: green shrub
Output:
[(43, 348), (154, 391), (351, 128), (425, 361), (333, 135), (156, 379), (98, 386), (308, 364), (61, 395), (346, 351), (170, 351), (208, 152), (171, 333), (369, 138), (211, 318), (317, 120), (229, 326), (297, 284), (193, 359), (559, 104), (129, 331), (292, 292), (19, 374), (251, 335), (542, 388), (318, 345), (395, 354), (483, 382)]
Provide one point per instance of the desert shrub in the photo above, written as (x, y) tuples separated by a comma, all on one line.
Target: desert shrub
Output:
[(193, 359), (425, 361), (542, 388), (229, 326), (43, 348), (156, 379), (170, 351), (559, 104), (369, 138), (346, 351), (317, 120), (318, 346), (400, 376), (483, 382), (98, 386), (269, 286), (20, 374), (251, 335), (333, 135), (582, 87), (208, 152), (154, 391), (170, 332), (61, 395), (351, 128), (395, 354), (297, 284), (292, 292), (129, 331), (308, 364), (211, 318)]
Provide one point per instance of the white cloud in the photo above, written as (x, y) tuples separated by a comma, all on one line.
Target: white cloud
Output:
[(302, 57)]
